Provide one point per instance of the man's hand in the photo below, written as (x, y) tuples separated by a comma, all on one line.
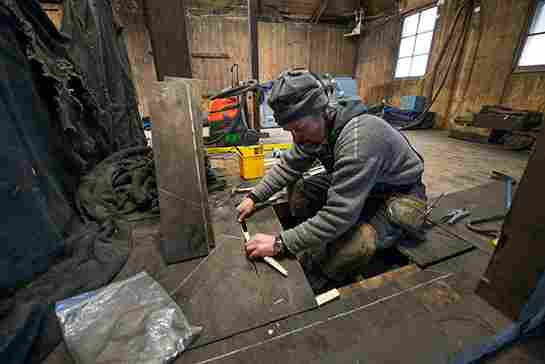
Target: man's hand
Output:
[(260, 245), (245, 209)]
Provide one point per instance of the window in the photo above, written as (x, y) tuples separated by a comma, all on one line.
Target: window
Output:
[(415, 45), (532, 53)]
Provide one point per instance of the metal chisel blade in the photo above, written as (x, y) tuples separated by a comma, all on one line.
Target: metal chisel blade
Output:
[(245, 230)]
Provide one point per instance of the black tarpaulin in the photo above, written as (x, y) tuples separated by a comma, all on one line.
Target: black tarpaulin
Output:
[(63, 113)]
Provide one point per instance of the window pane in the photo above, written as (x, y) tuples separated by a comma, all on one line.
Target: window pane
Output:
[(406, 47), (533, 53), (418, 67), (538, 24), (403, 66), (427, 20), (423, 43), (410, 24)]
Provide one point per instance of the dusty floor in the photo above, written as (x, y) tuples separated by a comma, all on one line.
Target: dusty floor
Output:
[(451, 165)]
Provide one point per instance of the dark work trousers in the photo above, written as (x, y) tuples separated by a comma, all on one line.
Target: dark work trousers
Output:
[(308, 195)]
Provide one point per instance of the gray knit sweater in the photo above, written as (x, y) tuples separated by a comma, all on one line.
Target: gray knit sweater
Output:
[(367, 151)]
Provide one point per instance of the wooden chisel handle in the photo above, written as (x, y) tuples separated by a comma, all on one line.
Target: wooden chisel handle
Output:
[(273, 263)]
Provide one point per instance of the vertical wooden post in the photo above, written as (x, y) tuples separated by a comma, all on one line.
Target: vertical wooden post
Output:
[(254, 57), (168, 30), (179, 160), (519, 260)]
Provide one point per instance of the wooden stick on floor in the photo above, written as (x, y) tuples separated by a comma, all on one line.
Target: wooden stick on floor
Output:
[(269, 260)]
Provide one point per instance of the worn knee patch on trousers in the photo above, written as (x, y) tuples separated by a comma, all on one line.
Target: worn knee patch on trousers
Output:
[(350, 253), (408, 212)]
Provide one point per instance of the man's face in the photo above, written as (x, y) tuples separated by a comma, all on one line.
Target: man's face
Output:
[(307, 130)]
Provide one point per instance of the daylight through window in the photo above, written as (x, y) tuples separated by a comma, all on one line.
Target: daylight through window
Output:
[(416, 38), (533, 53)]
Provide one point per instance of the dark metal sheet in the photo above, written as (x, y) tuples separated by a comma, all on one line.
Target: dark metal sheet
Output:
[(225, 295), (381, 325), (449, 240), (469, 268)]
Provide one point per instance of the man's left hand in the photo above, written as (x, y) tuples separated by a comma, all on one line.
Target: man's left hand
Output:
[(260, 245)]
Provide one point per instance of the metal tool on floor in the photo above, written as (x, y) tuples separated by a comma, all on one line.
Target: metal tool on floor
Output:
[(473, 225), (509, 182), (269, 260), (239, 189), (455, 215)]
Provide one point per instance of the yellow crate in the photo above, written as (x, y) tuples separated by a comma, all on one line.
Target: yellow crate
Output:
[(251, 162)]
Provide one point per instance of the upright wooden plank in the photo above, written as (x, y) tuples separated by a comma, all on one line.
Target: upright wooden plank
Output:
[(167, 27), (177, 140), (519, 260), (226, 294), (196, 87)]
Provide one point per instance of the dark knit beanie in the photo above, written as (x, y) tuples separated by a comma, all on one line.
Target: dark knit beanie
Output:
[(295, 94)]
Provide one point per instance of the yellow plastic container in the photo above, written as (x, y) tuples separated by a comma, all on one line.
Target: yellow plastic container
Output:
[(251, 162)]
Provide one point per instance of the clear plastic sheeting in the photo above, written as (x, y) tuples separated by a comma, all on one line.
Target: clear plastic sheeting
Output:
[(133, 321)]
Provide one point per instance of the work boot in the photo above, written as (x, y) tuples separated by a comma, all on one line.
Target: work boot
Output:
[(349, 255), (407, 212)]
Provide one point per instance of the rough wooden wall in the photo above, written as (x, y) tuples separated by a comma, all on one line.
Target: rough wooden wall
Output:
[(218, 42), (484, 73), (213, 36), (322, 48), (130, 14)]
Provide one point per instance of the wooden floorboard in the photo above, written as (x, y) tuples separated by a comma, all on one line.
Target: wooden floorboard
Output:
[(225, 295)]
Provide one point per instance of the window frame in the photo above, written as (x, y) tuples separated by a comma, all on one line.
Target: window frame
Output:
[(400, 38), (522, 42)]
